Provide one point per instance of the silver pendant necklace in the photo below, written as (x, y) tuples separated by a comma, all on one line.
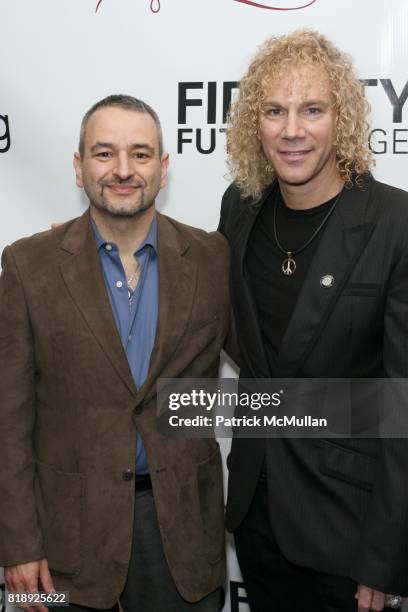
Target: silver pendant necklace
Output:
[(289, 263), (131, 291)]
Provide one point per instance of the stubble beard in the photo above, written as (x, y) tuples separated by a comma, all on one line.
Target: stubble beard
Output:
[(124, 212)]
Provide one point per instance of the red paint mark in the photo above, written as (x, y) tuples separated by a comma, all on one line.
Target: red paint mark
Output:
[(154, 6), (275, 8)]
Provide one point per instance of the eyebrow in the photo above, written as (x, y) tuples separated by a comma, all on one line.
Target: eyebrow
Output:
[(101, 145), (315, 102), (135, 146), (310, 102)]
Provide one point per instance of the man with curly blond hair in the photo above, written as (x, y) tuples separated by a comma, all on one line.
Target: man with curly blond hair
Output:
[(319, 253)]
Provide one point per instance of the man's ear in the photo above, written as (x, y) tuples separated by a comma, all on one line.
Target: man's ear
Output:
[(78, 169), (164, 169)]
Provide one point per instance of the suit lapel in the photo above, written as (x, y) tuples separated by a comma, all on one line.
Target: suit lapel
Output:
[(177, 284), (84, 279), (245, 306), (344, 238)]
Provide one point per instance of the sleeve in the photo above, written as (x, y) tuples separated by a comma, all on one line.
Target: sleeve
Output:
[(231, 346), (384, 550), (225, 209), (20, 533)]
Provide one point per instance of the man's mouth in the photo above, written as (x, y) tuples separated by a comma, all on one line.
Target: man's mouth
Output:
[(295, 155), (122, 189)]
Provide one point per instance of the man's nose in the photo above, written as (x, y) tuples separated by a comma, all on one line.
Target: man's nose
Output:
[(293, 126), (123, 168)]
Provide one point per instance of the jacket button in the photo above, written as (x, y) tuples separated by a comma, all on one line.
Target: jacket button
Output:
[(127, 475)]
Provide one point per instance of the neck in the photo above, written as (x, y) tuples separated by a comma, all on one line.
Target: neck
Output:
[(311, 194), (128, 233)]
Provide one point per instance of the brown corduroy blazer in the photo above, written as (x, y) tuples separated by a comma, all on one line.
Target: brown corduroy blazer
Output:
[(69, 412)]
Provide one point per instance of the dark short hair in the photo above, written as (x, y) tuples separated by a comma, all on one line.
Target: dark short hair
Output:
[(127, 103)]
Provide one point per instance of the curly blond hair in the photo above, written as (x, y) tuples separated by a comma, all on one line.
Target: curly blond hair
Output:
[(248, 164)]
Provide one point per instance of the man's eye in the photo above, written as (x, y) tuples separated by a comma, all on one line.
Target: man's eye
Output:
[(139, 155), (104, 154), (273, 111), (313, 110)]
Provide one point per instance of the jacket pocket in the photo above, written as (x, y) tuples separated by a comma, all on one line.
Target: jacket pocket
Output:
[(347, 465), (59, 498), (211, 496)]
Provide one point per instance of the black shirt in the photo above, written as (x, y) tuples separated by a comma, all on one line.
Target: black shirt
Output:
[(275, 294)]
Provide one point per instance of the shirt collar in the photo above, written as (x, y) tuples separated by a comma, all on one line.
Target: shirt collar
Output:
[(151, 238)]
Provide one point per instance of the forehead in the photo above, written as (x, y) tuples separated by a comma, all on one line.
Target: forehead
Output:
[(121, 126), (300, 82)]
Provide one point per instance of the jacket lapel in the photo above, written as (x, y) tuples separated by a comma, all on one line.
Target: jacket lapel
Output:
[(244, 305), (344, 239), (177, 284), (84, 279)]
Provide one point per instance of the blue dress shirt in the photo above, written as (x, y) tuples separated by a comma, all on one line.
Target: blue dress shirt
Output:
[(137, 321)]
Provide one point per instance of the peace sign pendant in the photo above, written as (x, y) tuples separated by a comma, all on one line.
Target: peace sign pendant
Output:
[(288, 265)]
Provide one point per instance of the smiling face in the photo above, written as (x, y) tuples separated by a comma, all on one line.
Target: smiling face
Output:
[(297, 128), (121, 169)]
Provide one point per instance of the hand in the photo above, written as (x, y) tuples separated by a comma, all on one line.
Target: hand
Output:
[(369, 600), (23, 578)]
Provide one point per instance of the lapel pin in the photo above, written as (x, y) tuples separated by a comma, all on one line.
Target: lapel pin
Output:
[(327, 281)]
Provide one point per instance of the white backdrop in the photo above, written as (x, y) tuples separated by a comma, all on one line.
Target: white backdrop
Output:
[(57, 57)]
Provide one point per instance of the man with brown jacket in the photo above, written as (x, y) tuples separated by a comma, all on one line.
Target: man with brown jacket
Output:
[(93, 499)]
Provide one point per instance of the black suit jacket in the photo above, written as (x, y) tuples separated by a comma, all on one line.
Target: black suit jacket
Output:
[(337, 506)]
